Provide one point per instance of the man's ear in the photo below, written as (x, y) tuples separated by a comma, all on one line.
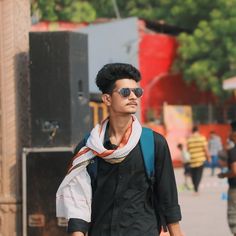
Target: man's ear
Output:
[(106, 98)]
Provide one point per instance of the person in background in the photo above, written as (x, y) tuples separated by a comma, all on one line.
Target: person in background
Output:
[(198, 150), (231, 175), (214, 146), (186, 162), (223, 154)]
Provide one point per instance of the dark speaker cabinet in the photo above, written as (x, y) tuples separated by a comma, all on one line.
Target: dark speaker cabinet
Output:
[(59, 88), (43, 171)]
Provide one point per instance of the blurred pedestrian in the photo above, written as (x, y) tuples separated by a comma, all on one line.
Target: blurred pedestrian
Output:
[(215, 146), (186, 162), (198, 150), (231, 175)]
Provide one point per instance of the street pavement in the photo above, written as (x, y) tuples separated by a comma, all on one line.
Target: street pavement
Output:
[(204, 214)]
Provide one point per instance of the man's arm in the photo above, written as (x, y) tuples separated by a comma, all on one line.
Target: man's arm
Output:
[(223, 163), (174, 229), (208, 156), (165, 189), (229, 174)]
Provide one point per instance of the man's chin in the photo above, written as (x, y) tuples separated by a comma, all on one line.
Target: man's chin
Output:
[(131, 112)]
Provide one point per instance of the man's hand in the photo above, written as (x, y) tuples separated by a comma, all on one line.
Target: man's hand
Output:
[(174, 229), (77, 234), (221, 175)]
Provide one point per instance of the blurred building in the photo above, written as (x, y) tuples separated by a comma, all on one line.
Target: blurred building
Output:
[(230, 84), (14, 123), (153, 49)]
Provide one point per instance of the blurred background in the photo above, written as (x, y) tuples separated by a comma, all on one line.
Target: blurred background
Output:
[(50, 52)]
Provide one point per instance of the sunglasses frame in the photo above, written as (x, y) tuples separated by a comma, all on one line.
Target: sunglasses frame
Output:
[(130, 90)]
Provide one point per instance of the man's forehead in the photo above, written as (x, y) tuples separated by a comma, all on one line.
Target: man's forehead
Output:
[(125, 81)]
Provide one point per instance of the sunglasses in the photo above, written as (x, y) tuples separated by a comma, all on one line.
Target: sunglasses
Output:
[(125, 92)]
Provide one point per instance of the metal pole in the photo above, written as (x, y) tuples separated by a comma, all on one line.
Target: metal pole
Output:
[(116, 9)]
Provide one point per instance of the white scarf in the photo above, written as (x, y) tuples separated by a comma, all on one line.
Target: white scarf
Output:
[(74, 195)]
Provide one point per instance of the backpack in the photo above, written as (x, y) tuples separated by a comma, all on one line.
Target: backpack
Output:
[(148, 153)]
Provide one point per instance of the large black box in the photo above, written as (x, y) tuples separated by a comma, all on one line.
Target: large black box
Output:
[(59, 88), (43, 171)]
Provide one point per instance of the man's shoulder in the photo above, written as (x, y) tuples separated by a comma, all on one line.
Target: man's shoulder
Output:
[(232, 154), (158, 137), (79, 145), (202, 137), (232, 151), (157, 134), (198, 137)]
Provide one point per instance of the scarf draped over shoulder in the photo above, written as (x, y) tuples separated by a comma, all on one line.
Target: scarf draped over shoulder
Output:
[(74, 195)]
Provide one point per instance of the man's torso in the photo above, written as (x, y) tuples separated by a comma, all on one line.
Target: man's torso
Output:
[(232, 159), (121, 203), (196, 146)]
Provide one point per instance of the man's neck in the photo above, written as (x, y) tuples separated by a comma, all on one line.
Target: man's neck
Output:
[(117, 127), (196, 133)]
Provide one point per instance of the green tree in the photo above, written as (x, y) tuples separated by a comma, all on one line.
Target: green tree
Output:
[(104, 8), (181, 13), (64, 10), (208, 55)]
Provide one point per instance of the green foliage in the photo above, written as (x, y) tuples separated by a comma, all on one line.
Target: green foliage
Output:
[(78, 12), (208, 56), (104, 8), (184, 14), (64, 10)]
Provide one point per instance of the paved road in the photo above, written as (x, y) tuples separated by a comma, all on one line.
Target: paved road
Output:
[(205, 214)]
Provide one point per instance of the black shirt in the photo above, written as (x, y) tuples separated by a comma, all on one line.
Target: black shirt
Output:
[(231, 159), (122, 205)]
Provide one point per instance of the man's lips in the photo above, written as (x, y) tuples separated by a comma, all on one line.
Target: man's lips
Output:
[(132, 104)]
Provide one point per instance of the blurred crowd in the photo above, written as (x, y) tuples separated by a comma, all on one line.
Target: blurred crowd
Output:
[(200, 152)]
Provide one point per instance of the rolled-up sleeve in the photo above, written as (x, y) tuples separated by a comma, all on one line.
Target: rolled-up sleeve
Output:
[(77, 225), (165, 187)]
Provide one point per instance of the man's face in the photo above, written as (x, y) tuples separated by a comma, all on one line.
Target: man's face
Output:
[(119, 104), (212, 134)]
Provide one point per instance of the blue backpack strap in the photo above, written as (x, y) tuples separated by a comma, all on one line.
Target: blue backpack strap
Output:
[(148, 151), (92, 167), (86, 137)]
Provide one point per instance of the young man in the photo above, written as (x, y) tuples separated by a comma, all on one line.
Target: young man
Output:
[(122, 199), (198, 150), (214, 145), (231, 175), (186, 161)]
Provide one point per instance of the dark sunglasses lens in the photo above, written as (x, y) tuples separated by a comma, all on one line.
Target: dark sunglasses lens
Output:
[(138, 92), (125, 92)]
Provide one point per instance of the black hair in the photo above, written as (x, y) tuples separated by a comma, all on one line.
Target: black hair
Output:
[(233, 125), (112, 72), (194, 129), (180, 146)]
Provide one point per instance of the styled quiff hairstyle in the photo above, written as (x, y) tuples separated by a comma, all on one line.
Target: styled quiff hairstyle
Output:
[(112, 72)]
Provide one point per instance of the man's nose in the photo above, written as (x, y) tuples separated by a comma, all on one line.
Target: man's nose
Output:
[(132, 95)]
